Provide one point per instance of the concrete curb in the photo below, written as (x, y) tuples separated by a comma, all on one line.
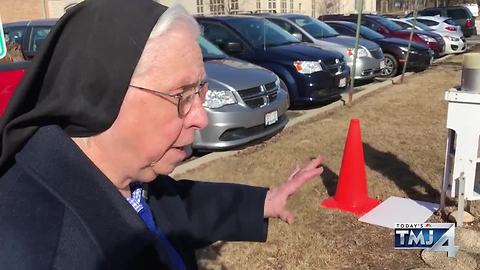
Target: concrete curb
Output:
[(306, 115)]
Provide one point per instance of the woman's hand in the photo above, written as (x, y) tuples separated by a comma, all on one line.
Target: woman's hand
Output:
[(276, 199)]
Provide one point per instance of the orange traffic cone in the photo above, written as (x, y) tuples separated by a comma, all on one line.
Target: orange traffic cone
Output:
[(352, 194)]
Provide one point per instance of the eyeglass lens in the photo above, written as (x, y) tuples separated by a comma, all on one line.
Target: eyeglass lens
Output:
[(186, 101)]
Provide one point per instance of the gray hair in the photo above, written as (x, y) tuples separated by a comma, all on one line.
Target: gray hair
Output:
[(175, 18)]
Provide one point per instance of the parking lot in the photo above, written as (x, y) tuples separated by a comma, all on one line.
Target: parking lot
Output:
[(404, 134)]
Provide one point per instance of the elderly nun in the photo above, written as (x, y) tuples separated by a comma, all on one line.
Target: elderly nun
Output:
[(88, 140)]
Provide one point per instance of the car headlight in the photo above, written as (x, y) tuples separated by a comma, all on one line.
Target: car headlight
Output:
[(361, 52), (453, 38), (426, 38), (307, 67), (219, 98)]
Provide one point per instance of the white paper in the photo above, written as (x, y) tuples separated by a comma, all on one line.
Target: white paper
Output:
[(399, 210)]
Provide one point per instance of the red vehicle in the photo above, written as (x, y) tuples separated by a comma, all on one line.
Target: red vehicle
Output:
[(390, 29), (29, 36), (10, 76)]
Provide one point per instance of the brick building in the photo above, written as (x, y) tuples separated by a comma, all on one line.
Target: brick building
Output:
[(18, 10), (15, 10)]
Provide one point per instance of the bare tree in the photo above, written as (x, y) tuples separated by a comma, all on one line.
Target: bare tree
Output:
[(325, 7)]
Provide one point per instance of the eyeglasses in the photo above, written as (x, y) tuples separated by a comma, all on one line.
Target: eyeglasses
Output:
[(183, 100)]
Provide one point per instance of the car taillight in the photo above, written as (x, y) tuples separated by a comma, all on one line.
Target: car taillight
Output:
[(451, 28), (468, 23)]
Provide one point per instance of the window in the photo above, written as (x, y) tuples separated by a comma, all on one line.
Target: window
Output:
[(430, 12), (283, 24), (217, 7), (427, 22), (372, 25), (14, 35), (38, 36), (289, 28), (404, 25), (272, 4), (291, 5), (342, 30), (314, 27), (283, 6), (259, 5), (262, 33), (200, 7), (218, 34), (457, 13), (233, 6)]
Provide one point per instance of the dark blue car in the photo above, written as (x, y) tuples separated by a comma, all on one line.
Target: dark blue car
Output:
[(310, 74)]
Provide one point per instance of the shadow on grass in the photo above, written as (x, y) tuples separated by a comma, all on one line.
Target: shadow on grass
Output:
[(330, 180), (211, 254), (401, 174)]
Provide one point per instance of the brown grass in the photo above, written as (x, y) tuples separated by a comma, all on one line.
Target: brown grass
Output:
[(403, 130)]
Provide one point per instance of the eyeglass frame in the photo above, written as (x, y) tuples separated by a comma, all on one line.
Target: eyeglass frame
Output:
[(178, 97)]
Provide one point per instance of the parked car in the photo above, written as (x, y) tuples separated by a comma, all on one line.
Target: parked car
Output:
[(369, 62), (441, 24), (29, 34), (394, 49), (390, 29), (244, 102), (460, 14), (311, 75), (454, 41), (10, 76)]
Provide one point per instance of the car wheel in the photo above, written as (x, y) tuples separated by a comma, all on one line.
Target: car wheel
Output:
[(391, 66)]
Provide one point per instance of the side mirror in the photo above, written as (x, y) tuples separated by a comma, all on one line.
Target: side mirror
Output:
[(297, 36), (234, 47)]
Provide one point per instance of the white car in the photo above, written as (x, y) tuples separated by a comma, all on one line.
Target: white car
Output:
[(454, 41), (440, 24)]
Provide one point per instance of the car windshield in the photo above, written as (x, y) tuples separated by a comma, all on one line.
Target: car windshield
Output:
[(420, 25), (315, 27), (210, 51), (261, 32), (370, 34), (391, 26)]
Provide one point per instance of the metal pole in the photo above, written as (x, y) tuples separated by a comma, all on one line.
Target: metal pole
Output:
[(410, 40), (357, 37)]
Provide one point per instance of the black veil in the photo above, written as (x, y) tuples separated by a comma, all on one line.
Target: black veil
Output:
[(79, 78)]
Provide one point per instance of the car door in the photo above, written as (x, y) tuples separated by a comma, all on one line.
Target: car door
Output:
[(37, 36)]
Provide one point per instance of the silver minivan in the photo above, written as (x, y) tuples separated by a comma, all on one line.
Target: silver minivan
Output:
[(370, 60), (244, 102)]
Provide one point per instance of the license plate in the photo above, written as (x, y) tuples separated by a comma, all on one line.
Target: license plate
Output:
[(271, 118), (342, 82), (382, 64)]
